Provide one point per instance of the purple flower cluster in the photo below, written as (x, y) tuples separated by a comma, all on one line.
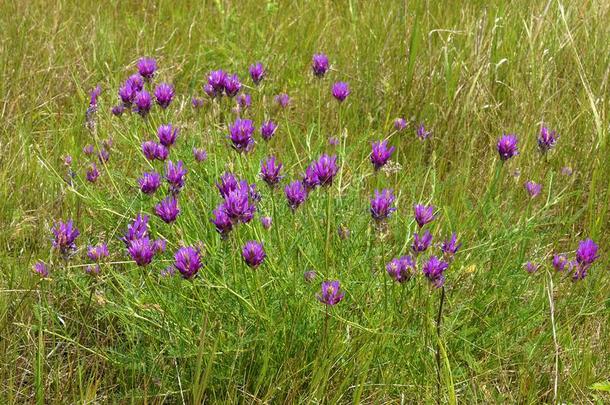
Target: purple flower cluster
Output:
[(168, 209), (507, 146), (330, 293), (174, 174), (219, 83), (533, 189), (257, 72), (240, 135), (239, 203), (380, 154), (271, 171), (401, 269), (140, 247), (187, 261), (253, 254), (65, 234), (319, 64), (381, 205), (547, 139)]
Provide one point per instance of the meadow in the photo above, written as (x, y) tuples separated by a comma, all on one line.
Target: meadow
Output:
[(304, 202)]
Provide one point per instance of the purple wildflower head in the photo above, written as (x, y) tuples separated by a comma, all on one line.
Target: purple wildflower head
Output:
[(333, 141), (560, 262), (421, 243), (141, 250), (187, 261), (381, 205), (197, 102), (400, 124), (257, 72), (309, 276), (97, 253), (401, 269), (216, 83), (533, 189), (135, 81), (231, 85), (586, 253), (227, 183), (143, 103), (88, 149), (161, 152), (422, 134), (93, 269), (239, 205), (547, 139), (266, 222), (270, 171), (310, 179), (159, 245), (103, 156), (174, 174), (65, 234), (434, 270), (319, 64), (296, 194), (507, 146), (221, 221), (283, 100), (244, 100), (168, 209), (41, 269), (424, 214), (209, 90), (566, 171), (164, 93), (340, 91), (200, 154), (117, 110), (94, 94), (380, 154), (268, 129), (330, 293), (147, 67), (167, 135), (450, 246), (240, 134), (253, 253), (127, 93), (344, 232), (92, 173), (325, 169), (137, 229), (149, 182), (531, 267), (149, 149), (68, 160)]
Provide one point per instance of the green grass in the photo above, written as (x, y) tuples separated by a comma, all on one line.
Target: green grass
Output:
[(469, 70)]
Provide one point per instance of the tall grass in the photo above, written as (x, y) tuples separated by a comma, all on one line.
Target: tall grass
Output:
[(468, 71)]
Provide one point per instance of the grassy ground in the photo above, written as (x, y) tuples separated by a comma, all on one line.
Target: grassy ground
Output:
[(469, 71)]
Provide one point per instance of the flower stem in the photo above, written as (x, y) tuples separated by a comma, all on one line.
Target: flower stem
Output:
[(438, 346)]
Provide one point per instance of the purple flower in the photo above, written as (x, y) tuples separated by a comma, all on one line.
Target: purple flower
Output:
[(331, 293), (283, 100), (266, 222), (143, 103), (566, 171), (147, 67), (257, 72), (296, 194), (333, 141), (141, 250), (209, 90), (232, 85), (168, 271), (422, 134), (531, 267), (560, 262), (244, 101), (253, 253), (65, 236), (216, 83), (381, 205), (97, 90), (325, 169), (88, 149), (168, 209), (164, 93), (197, 102), (319, 64), (136, 82), (547, 139), (434, 270), (149, 182), (117, 110), (586, 254), (149, 149), (421, 243), (270, 171), (400, 124), (533, 189), (309, 276), (159, 245), (450, 247), (340, 91), (127, 93), (227, 183), (161, 152), (238, 205), (221, 221), (507, 146), (97, 253), (268, 129), (93, 269), (187, 261), (310, 179), (380, 154), (401, 269), (424, 214), (240, 134), (344, 232), (67, 160), (103, 156), (137, 229), (200, 154), (41, 269), (174, 174), (92, 173), (167, 135)]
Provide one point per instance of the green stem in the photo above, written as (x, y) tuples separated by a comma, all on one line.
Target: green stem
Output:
[(328, 230)]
